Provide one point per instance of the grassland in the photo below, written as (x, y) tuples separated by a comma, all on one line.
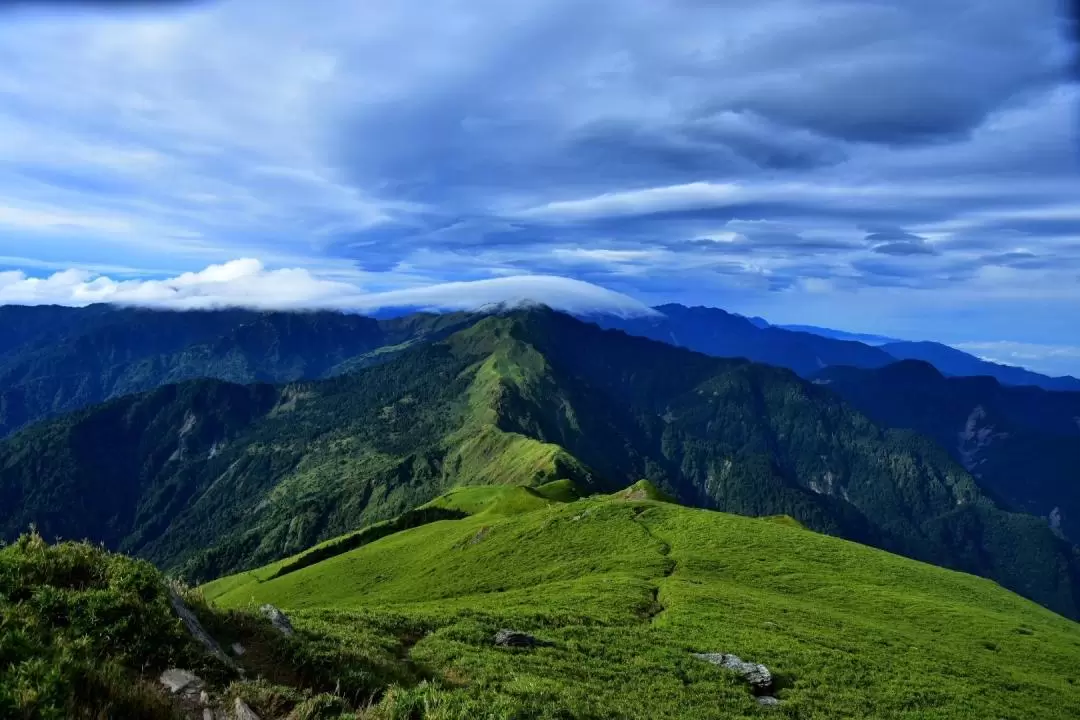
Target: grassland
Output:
[(625, 589)]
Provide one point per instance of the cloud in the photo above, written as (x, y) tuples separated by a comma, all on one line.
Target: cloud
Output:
[(899, 243), (247, 283), (1052, 359), (776, 198), (734, 153)]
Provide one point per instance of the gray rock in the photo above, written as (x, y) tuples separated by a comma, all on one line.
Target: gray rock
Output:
[(768, 701), (241, 711), (513, 638), (278, 619), (238, 649), (182, 682), (195, 629), (756, 675)]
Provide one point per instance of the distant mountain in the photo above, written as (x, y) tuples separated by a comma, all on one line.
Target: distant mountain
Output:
[(207, 477), (864, 338), (723, 334), (57, 359), (807, 349), (1021, 443), (956, 362)]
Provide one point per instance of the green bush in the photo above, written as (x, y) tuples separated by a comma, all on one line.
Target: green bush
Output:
[(83, 633)]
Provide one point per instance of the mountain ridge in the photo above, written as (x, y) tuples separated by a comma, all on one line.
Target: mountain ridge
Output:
[(526, 398), (1021, 443)]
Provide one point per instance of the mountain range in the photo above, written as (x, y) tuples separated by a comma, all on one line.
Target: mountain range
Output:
[(1021, 443), (57, 359), (807, 349), (207, 477)]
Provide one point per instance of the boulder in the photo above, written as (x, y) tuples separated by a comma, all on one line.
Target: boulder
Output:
[(241, 711), (182, 682), (278, 619), (196, 630), (514, 638), (756, 675)]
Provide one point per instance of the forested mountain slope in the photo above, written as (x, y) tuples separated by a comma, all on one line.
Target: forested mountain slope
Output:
[(214, 477), (951, 361), (1021, 443), (55, 359)]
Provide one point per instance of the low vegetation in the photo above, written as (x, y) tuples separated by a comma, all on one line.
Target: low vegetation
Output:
[(623, 591), (618, 591)]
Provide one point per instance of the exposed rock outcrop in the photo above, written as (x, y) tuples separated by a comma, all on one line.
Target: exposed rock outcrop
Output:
[(514, 638), (241, 711), (196, 630), (278, 619), (756, 675)]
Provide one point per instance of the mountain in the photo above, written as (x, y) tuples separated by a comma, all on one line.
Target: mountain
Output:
[(1021, 443), (956, 362), (623, 597), (55, 359), (864, 338), (723, 334), (215, 477), (807, 349)]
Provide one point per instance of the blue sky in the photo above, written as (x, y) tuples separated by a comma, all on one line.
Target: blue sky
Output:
[(906, 167)]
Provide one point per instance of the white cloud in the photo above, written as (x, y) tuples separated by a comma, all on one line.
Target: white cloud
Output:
[(816, 196), (690, 196), (247, 283), (603, 256), (1020, 353), (1045, 358)]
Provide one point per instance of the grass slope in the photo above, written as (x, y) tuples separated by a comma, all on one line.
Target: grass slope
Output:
[(626, 589)]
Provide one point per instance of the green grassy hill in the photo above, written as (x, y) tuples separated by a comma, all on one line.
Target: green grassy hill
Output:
[(625, 590)]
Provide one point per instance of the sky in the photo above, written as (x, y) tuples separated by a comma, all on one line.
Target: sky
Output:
[(905, 168)]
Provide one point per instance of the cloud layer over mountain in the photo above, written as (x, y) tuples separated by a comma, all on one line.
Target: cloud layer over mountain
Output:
[(906, 167), (247, 283)]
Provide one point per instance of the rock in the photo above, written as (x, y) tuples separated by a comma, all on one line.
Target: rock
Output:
[(278, 619), (182, 682), (207, 714), (768, 701), (241, 711), (204, 697), (513, 638), (238, 649), (756, 675), (195, 629)]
